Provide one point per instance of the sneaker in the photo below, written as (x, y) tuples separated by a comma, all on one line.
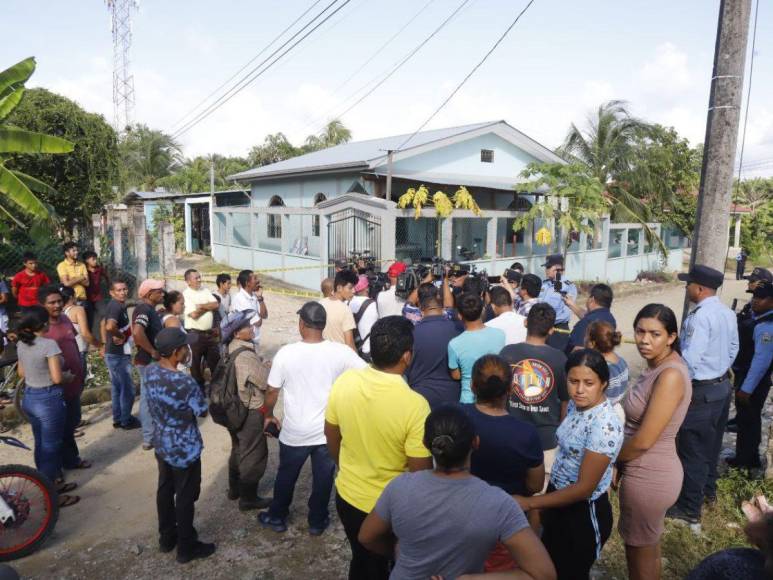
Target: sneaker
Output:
[(166, 546), (675, 513), (198, 551), (319, 530), (275, 524), (116, 424), (132, 423)]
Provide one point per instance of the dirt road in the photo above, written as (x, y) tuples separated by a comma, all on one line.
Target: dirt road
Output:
[(111, 532)]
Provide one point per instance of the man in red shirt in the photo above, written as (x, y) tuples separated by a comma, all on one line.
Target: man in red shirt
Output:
[(95, 299), (26, 283)]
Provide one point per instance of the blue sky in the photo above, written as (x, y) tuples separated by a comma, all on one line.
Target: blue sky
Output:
[(561, 60)]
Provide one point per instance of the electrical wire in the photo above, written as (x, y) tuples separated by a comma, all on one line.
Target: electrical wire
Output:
[(255, 73), (748, 90), (249, 62), (466, 78)]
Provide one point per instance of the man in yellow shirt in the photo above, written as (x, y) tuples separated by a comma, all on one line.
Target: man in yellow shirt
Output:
[(374, 427), (73, 273), (199, 307)]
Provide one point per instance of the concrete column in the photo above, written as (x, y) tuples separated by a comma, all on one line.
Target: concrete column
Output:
[(737, 232), (140, 246), (167, 247), (117, 243), (96, 223), (324, 254), (491, 243), (188, 228), (285, 242), (388, 236), (446, 238)]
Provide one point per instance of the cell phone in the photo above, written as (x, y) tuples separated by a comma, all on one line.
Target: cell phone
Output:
[(272, 430)]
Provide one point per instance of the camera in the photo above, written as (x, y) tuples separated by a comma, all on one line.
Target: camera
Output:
[(377, 282), (558, 286), (362, 262), (512, 276), (409, 280)]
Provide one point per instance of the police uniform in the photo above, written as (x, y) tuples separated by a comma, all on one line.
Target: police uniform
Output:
[(753, 367), (709, 341), (549, 295)]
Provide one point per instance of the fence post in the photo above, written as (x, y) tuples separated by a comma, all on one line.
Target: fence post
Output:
[(118, 243), (96, 223), (141, 246), (167, 249)]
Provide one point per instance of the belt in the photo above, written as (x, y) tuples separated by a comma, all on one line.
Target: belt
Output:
[(707, 382), (562, 324), (211, 331)]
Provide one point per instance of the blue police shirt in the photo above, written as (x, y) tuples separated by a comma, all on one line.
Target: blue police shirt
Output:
[(550, 296), (175, 401), (709, 339), (763, 355), (577, 336)]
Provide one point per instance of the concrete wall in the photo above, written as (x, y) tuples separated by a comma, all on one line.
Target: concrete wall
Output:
[(300, 192)]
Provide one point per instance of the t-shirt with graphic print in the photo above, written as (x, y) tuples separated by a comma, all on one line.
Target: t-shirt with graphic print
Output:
[(597, 429), (175, 401), (147, 317), (539, 387)]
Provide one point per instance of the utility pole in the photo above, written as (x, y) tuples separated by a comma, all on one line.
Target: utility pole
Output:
[(211, 212), (710, 238), (390, 159)]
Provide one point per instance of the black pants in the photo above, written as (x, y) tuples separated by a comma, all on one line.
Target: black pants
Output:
[(249, 456), (206, 351), (71, 457), (574, 535), (749, 421), (365, 565), (699, 444), (560, 337), (740, 266), (178, 490)]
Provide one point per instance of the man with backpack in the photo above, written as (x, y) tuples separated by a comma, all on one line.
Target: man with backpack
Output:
[(237, 398), (365, 311), (305, 371)]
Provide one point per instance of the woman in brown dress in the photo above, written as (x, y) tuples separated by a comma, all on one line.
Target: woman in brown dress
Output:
[(648, 467)]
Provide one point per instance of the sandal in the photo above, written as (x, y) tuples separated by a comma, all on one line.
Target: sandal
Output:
[(67, 487), (83, 423), (68, 500), (82, 464)]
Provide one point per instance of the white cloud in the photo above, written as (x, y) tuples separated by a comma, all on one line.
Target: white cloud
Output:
[(668, 74)]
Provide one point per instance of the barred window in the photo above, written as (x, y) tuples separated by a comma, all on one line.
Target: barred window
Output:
[(319, 198), (274, 223), (486, 156)]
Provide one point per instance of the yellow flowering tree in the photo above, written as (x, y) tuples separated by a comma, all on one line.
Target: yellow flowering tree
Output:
[(444, 205)]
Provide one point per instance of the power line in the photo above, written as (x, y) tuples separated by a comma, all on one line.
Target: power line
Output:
[(404, 60), (748, 90), (472, 72), (249, 62), (322, 118), (253, 75)]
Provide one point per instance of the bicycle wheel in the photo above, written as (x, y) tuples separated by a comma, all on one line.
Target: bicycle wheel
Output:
[(35, 504)]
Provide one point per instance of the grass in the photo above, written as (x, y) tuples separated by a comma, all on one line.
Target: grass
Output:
[(721, 528)]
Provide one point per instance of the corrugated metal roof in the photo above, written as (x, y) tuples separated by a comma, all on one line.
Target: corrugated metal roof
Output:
[(154, 195), (354, 154)]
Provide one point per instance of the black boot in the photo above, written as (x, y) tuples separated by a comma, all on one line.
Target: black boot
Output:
[(249, 499), (194, 552), (233, 485)]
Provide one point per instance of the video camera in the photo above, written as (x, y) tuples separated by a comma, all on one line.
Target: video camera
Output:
[(558, 286), (413, 276), (362, 262), (377, 283)]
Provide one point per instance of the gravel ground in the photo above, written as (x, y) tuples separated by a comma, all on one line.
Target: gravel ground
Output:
[(111, 532)]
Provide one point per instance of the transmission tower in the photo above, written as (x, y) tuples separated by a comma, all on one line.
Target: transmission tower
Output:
[(123, 81)]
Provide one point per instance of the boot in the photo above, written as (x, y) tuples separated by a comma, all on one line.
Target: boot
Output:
[(249, 499)]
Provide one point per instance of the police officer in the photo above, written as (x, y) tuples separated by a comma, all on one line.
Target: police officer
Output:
[(554, 288), (752, 368), (709, 341)]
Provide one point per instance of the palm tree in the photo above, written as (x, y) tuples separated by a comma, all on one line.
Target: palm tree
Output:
[(149, 155), (334, 133), (16, 188)]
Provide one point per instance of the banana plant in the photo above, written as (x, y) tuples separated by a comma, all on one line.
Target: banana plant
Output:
[(17, 189)]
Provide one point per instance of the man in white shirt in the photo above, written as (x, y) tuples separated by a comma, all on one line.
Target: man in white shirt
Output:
[(200, 304), (250, 297), (365, 311), (387, 301), (305, 371), (509, 322)]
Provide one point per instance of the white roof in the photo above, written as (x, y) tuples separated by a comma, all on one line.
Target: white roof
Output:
[(370, 154)]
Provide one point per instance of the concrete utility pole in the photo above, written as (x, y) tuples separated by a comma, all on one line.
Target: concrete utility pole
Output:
[(711, 228)]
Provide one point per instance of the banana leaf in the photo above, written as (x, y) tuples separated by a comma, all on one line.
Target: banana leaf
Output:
[(35, 184), (18, 193), (17, 74), (8, 103), (15, 140)]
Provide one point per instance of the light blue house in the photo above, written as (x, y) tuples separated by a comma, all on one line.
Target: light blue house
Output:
[(308, 211)]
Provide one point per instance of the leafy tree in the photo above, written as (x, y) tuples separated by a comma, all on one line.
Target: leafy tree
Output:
[(753, 193), (275, 148), (193, 175), (16, 187), (334, 133), (83, 179), (148, 155), (757, 231)]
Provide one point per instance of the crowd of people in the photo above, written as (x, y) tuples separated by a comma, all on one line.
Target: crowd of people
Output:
[(469, 424)]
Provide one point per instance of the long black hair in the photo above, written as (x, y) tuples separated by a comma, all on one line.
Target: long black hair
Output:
[(666, 317), (34, 320), (491, 378), (591, 358), (448, 434)]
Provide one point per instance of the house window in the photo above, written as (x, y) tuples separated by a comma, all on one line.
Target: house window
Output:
[(486, 156), (274, 224), (319, 198)]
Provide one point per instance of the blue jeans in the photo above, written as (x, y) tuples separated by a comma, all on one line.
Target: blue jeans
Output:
[(291, 460), (145, 418), (45, 408), (119, 366)]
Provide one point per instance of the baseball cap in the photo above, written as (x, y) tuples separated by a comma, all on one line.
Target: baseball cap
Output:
[(553, 260), (148, 286), (362, 283), (396, 269), (314, 315), (759, 274), (170, 339), (764, 290), (234, 322), (703, 275), (341, 264)]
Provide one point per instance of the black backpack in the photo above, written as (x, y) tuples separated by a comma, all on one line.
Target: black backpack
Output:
[(360, 340), (225, 406)]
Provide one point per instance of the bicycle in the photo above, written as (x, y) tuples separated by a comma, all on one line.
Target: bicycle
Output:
[(11, 385), (29, 507)]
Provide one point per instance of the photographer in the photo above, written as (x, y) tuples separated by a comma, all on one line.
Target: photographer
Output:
[(411, 308), (553, 291), (365, 313), (387, 301), (528, 293)]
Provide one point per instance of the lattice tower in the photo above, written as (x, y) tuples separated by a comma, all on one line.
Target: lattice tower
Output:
[(123, 81)]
